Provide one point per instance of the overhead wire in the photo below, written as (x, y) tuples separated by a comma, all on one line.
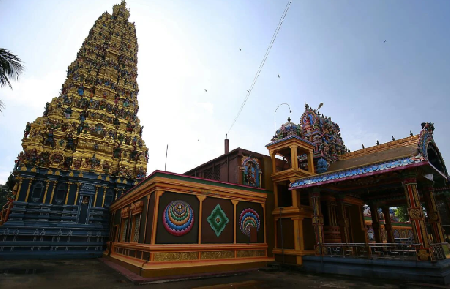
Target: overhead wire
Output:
[(274, 37)]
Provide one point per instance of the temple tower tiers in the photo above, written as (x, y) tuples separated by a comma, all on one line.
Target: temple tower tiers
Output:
[(87, 148)]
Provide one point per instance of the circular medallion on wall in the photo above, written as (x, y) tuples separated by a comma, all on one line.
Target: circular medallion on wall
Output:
[(249, 218), (178, 218)]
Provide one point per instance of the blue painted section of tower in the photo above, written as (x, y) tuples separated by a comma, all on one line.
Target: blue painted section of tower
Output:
[(39, 230)]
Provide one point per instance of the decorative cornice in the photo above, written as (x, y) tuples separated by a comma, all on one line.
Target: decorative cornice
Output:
[(287, 138), (359, 172)]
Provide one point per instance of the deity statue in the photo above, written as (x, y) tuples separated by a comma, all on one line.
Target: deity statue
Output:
[(27, 130), (68, 112), (50, 138)]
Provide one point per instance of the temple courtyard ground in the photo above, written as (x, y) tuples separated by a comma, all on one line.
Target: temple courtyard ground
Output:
[(97, 274)]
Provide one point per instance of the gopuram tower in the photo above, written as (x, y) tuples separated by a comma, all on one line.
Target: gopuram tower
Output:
[(82, 154)]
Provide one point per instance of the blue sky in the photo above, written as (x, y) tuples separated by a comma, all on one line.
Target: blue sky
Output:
[(327, 51)]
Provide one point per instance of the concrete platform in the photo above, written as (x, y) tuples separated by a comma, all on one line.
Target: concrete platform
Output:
[(425, 272)]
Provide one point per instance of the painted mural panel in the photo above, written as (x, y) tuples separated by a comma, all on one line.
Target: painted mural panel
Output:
[(249, 217), (217, 221), (177, 219)]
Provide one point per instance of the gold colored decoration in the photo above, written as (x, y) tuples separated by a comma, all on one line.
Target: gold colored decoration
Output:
[(250, 253), (68, 191), (53, 192), (46, 190), (175, 256), (28, 190), (92, 125), (76, 194), (217, 255), (137, 207), (317, 220), (125, 213), (20, 186), (423, 254), (415, 213)]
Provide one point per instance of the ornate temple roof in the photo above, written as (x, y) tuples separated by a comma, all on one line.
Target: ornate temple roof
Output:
[(323, 133), (92, 126), (401, 154), (287, 131)]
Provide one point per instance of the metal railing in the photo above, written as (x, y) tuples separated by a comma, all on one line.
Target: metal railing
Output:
[(372, 250)]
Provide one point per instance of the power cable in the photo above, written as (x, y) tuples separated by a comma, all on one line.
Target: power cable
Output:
[(262, 63)]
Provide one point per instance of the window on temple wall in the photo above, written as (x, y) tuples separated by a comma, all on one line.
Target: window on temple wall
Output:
[(284, 195), (207, 174), (37, 192), (216, 173), (283, 160), (124, 229), (136, 227), (60, 193)]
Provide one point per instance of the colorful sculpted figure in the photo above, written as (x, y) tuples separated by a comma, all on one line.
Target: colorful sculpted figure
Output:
[(68, 112), (27, 130)]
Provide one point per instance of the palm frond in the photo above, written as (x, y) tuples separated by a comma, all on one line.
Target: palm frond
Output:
[(10, 67)]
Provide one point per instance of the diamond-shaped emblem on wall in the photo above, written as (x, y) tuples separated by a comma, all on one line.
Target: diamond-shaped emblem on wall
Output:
[(218, 220)]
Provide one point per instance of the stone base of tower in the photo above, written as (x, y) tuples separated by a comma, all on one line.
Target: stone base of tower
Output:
[(43, 231)]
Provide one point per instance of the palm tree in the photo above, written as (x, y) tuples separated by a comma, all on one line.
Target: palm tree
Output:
[(10, 68)]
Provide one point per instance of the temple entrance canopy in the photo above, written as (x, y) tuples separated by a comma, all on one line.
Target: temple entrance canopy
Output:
[(402, 172)]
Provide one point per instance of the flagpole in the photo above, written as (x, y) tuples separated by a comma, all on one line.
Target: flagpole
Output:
[(165, 165)]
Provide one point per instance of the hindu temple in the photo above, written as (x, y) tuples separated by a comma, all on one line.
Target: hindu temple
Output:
[(82, 153), (82, 190)]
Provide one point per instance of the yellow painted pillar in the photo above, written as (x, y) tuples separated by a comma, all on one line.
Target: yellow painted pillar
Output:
[(18, 190), (68, 191), (311, 162), (158, 194), (104, 195), (201, 198), (53, 192), (298, 240), (294, 194), (46, 190), (28, 190), (264, 223), (76, 194), (294, 159), (274, 169), (96, 195), (234, 202), (275, 194)]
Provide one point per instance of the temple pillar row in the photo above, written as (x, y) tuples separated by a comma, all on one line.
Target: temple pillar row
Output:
[(375, 222), (388, 224), (317, 222), (342, 219), (434, 218), (417, 218)]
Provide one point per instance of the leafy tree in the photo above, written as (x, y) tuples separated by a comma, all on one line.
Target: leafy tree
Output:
[(402, 214), (10, 68)]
